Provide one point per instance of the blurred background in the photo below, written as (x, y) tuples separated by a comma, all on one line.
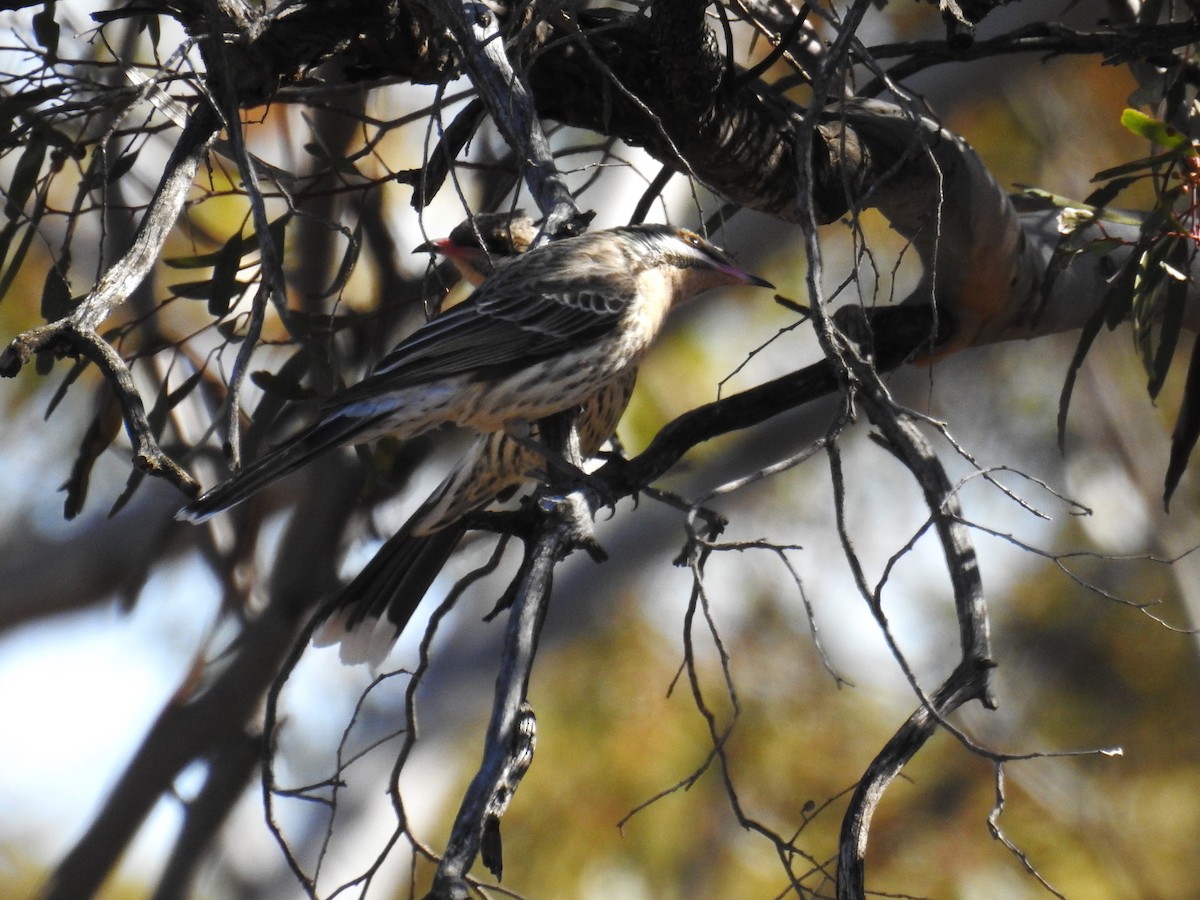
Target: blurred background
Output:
[(103, 618)]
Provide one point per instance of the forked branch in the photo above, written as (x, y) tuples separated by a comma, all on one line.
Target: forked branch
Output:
[(76, 333)]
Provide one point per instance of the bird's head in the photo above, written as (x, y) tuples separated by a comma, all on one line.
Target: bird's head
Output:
[(698, 265), (477, 245)]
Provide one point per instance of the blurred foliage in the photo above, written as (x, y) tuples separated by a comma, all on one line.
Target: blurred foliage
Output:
[(1076, 670), (1081, 672)]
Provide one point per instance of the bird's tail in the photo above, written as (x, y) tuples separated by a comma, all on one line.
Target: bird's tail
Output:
[(330, 432), (372, 610)]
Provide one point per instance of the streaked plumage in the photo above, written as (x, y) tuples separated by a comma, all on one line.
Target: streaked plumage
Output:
[(538, 337), (375, 607)]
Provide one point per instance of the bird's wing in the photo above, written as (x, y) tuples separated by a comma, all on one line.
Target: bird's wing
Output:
[(508, 323)]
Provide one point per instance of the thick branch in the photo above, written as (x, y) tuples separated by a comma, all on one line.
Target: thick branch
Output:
[(983, 262), (613, 77), (965, 684), (368, 38), (899, 334), (508, 101)]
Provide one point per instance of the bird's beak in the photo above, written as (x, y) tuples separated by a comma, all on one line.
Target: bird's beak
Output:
[(738, 276), (440, 246)]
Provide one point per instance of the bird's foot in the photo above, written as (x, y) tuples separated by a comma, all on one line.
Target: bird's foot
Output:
[(564, 477), (576, 510)]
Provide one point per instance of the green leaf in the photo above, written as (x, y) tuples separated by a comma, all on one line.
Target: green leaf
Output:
[(152, 25), (123, 164), (271, 406), (24, 177), (281, 386), (248, 245), (1144, 166), (1118, 299), (18, 257), (1165, 312), (157, 419), (56, 296), (100, 434), (1105, 194), (1072, 221), (191, 290), (1174, 303), (302, 325), (1111, 311), (13, 108), (349, 259), (199, 261), (181, 393), (1149, 280), (1187, 427), (224, 277), (1090, 329), (277, 230), (46, 30), (228, 329), (1153, 130), (60, 392), (334, 162), (132, 483)]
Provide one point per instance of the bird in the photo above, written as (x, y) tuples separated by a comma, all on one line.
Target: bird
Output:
[(539, 336), (496, 462), (370, 613), (477, 244)]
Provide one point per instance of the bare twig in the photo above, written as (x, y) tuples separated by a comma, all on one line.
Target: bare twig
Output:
[(224, 88), (967, 682), (77, 331), (209, 717), (511, 106), (563, 529)]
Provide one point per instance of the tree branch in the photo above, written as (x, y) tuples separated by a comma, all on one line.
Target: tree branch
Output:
[(508, 100), (520, 645), (506, 744), (966, 683), (210, 720), (77, 331), (900, 333)]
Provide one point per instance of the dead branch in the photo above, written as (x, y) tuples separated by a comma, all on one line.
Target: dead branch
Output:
[(564, 528), (76, 333), (967, 682), (512, 109), (209, 720), (656, 81)]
